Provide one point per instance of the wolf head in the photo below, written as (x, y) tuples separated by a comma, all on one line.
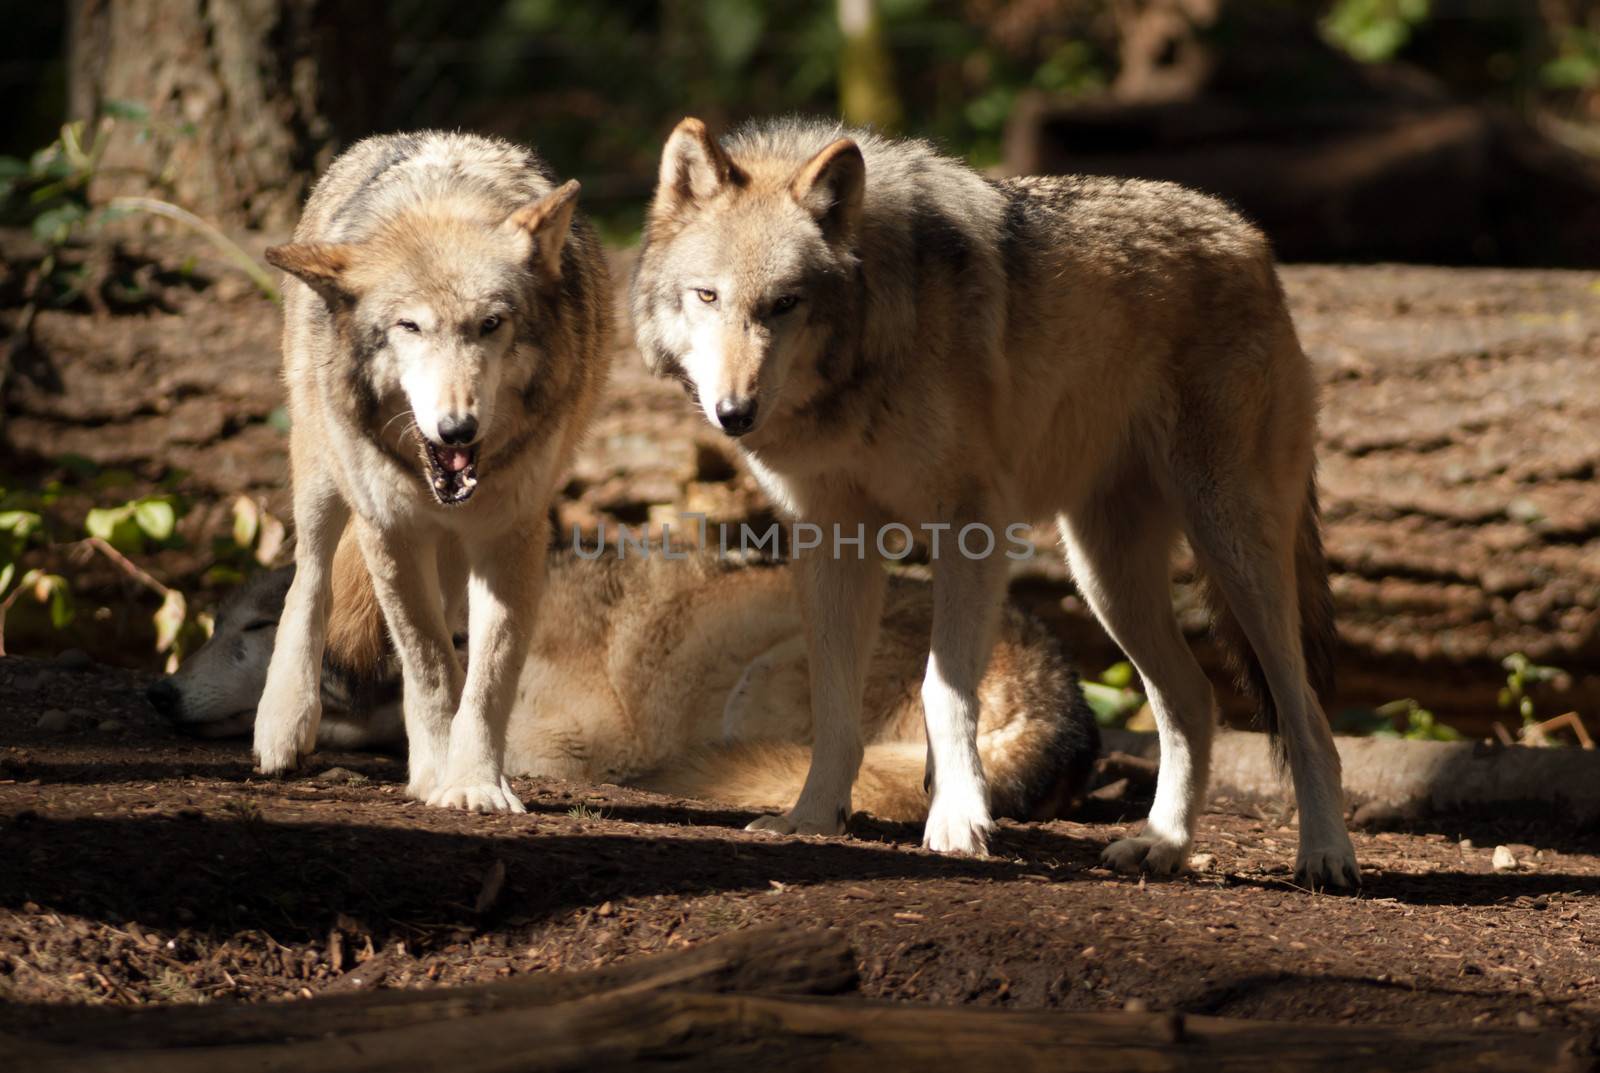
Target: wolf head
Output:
[(441, 309), (743, 264), (215, 693)]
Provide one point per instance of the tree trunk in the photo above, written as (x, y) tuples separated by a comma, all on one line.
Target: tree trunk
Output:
[(245, 98)]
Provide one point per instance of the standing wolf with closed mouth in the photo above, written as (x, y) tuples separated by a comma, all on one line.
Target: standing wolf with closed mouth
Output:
[(895, 339), (445, 341)]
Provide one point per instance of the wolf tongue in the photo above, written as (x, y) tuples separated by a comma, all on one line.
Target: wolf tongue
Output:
[(454, 459)]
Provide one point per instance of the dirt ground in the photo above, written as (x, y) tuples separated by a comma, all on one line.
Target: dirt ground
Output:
[(144, 867)]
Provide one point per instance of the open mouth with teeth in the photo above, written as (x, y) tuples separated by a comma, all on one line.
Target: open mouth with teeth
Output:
[(452, 471)]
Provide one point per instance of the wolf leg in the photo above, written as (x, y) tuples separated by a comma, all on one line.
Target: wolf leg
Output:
[(506, 577), (405, 576), (842, 597), (1119, 548), (967, 597), (291, 702), (1248, 553)]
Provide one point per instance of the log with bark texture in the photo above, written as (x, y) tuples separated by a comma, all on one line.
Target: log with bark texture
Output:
[(770, 960), (684, 1030), (1460, 439), (1388, 776)]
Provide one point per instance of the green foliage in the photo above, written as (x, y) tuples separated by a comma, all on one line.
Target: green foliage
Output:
[(1373, 30), (1398, 719), (136, 524), (1522, 674), (1113, 698), (49, 194), (1576, 64)]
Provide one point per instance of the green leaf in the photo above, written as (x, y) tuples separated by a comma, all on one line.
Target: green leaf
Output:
[(156, 517), (54, 226), (1118, 675), (6, 572), (169, 619), (117, 527), (246, 521), (21, 524), (279, 419), (61, 610), (125, 110)]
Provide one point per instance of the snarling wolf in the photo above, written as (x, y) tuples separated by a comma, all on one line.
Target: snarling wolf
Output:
[(683, 676), (893, 338), (446, 323)]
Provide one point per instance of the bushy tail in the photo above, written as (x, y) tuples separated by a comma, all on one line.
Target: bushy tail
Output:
[(357, 637), (1317, 635), (1038, 777)]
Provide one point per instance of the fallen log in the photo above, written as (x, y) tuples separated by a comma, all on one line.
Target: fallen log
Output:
[(769, 960), (686, 1030), (1392, 776)]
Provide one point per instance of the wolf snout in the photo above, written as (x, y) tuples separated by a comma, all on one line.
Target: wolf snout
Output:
[(166, 699), (458, 430), (736, 415)]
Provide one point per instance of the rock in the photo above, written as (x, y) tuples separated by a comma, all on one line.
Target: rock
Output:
[(1202, 862), (340, 776), (1504, 860), (1527, 1020), (1136, 1005), (110, 726), (74, 659), (55, 721)]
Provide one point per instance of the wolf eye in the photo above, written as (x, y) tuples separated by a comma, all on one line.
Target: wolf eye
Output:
[(490, 323), (407, 326), (705, 294), (784, 303), (261, 624)]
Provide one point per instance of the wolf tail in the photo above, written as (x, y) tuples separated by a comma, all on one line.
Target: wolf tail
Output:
[(1036, 770), (357, 638), (1317, 635)]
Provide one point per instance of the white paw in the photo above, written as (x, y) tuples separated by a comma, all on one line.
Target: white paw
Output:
[(1328, 867), (798, 822), (284, 738), (1146, 853), (422, 783), (958, 823), (477, 796)]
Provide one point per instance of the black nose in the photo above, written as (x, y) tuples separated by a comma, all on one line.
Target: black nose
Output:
[(736, 416), (165, 698), (458, 430)]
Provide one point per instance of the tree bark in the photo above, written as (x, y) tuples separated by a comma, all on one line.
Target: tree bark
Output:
[(668, 1012), (246, 99)]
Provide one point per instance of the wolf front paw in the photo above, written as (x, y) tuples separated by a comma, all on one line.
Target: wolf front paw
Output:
[(281, 742), (801, 822), (477, 796), (960, 826), (1146, 853), (1332, 868)]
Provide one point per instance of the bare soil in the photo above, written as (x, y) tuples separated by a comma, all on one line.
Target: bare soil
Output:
[(142, 867)]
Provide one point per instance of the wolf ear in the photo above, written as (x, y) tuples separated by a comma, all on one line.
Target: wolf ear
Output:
[(831, 187), (693, 167), (547, 221), (320, 265)]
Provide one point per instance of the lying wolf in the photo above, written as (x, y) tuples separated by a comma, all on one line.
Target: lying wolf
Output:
[(446, 336), (893, 339), (682, 676)]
